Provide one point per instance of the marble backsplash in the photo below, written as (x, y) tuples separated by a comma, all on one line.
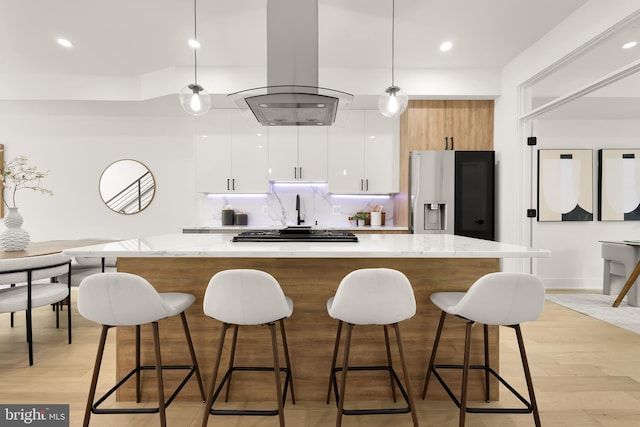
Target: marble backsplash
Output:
[(279, 206)]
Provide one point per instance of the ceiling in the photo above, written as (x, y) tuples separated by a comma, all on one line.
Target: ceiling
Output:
[(125, 39)]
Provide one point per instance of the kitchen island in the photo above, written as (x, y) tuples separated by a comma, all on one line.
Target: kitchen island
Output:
[(309, 273)]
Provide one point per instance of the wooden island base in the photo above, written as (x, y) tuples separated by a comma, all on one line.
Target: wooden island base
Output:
[(310, 331)]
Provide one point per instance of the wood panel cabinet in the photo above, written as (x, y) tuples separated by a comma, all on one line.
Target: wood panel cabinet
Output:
[(426, 125), (363, 155), (297, 153), (450, 125), (233, 156)]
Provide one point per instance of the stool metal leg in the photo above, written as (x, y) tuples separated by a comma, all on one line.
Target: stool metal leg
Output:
[(405, 372), (433, 354), (94, 378), (389, 362), (232, 357), (333, 360), (276, 370), (192, 352), (345, 369), (527, 374), (287, 359), (216, 366), (161, 407)]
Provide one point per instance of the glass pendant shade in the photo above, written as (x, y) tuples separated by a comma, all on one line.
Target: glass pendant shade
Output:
[(393, 101), (195, 100)]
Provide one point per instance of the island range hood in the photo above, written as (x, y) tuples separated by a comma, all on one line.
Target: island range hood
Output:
[(292, 96)]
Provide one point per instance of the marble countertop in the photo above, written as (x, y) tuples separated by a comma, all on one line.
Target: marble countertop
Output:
[(239, 228), (369, 246)]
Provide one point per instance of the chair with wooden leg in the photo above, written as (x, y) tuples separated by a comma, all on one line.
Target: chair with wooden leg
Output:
[(243, 297), (122, 299), (371, 296), (503, 299)]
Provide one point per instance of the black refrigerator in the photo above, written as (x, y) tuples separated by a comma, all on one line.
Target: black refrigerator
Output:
[(452, 192)]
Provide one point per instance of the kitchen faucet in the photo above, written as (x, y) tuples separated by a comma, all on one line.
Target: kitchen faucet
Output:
[(299, 221)]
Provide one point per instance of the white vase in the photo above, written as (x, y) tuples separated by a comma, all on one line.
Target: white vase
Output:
[(13, 238), (376, 218)]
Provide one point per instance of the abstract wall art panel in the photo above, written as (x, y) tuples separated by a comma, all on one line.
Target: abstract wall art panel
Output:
[(619, 185), (565, 185)]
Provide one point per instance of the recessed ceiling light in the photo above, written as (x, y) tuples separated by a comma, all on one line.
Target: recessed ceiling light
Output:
[(629, 45), (64, 42), (320, 105), (446, 46), (194, 43)]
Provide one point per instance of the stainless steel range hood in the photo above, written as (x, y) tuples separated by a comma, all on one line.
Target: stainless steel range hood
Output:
[(292, 96)]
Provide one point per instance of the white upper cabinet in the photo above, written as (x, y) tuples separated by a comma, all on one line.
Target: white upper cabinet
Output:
[(382, 153), (233, 155), (230, 154), (364, 154), (297, 153)]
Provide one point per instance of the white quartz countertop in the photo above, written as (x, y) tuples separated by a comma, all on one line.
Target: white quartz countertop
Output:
[(240, 228), (368, 246)]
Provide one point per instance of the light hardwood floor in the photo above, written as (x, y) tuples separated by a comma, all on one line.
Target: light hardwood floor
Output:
[(586, 374)]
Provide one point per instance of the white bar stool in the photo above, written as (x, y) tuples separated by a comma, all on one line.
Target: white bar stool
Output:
[(372, 296), (502, 298), (124, 299), (248, 297)]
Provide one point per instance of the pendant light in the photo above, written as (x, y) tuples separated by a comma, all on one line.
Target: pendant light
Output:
[(393, 101), (194, 98)]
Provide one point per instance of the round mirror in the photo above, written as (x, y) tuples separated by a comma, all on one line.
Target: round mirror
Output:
[(127, 186)]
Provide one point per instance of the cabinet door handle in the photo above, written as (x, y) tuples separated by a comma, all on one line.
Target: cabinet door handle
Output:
[(446, 142), (295, 172), (228, 188), (452, 144), (233, 184), (362, 185), (367, 184), (300, 172)]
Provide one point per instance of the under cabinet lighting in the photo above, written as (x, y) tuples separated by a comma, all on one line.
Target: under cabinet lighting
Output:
[(298, 184), (360, 196), (446, 46), (236, 196), (629, 45), (194, 43)]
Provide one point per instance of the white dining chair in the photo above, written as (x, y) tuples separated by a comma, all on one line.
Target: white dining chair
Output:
[(26, 290)]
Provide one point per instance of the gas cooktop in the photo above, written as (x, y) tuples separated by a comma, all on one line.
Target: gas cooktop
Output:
[(296, 234)]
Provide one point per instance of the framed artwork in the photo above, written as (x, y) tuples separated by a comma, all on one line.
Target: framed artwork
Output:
[(619, 185), (565, 185)]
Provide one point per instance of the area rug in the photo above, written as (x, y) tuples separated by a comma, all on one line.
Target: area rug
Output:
[(599, 307)]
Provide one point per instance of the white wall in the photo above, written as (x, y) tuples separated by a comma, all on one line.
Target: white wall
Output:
[(576, 260), (77, 148), (514, 158)]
